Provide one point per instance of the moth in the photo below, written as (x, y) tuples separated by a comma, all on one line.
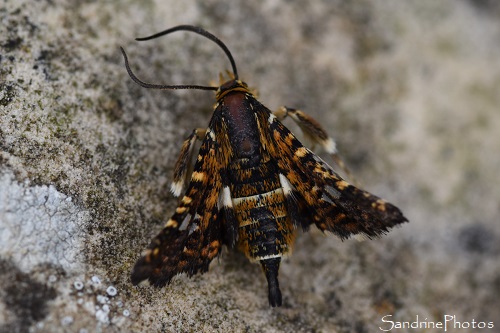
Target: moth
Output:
[(253, 184)]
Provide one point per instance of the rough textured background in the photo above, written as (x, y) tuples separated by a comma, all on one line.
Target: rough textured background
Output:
[(410, 90)]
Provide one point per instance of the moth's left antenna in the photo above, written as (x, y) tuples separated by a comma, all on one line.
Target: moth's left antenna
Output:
[(191, 28)]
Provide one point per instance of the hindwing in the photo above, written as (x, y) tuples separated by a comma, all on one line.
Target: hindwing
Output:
[(322, 197)]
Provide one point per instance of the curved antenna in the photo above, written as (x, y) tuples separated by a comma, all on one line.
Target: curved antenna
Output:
[(159, 86), (191, 28), (199, 31)]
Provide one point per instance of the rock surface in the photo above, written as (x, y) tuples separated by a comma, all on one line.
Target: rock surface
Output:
[(410, 90)]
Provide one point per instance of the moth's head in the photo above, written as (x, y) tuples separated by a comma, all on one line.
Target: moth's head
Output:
[(231, 86)]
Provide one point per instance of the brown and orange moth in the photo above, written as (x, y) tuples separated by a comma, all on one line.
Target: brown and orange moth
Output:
[(252, 186)]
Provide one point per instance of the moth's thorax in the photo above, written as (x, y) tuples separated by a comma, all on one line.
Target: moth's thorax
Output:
[(242, 129)]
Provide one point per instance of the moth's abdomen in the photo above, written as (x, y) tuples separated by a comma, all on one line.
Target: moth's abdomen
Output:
[(254, 204), (264, 226)]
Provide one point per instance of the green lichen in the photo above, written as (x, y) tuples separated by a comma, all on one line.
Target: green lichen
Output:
[(7, 93)]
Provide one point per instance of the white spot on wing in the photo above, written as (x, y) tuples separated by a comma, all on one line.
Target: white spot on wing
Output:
[(256, 197), (271, 256), (285, 184), (225, 198), (211, 133), (176, 188), (271, 119)]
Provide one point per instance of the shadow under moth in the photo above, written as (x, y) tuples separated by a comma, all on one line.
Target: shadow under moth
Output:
[(253, 184)]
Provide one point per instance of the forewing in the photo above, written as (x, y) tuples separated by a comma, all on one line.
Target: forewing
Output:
[(192, 237), (324, 197)]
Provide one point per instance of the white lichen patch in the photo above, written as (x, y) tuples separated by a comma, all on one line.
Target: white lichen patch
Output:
[(95, 280), (90, 306), (78, 285), (111, 291), (40, 225)]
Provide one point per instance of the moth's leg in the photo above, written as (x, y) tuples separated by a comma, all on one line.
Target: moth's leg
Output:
[(183, 162), (315, 133)]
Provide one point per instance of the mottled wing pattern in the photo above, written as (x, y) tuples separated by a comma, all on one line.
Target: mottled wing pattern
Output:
[(192, 237), (321, 195)]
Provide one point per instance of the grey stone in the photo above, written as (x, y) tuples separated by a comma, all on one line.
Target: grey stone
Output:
[(410, 91)]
